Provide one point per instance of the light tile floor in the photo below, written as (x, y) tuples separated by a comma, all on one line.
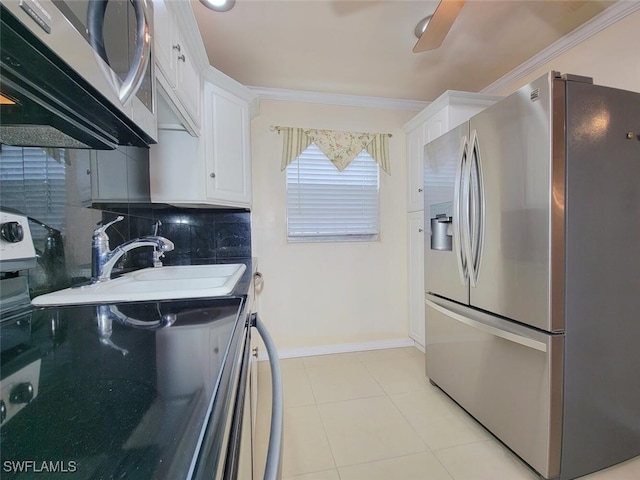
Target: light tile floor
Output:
[(374, 416)]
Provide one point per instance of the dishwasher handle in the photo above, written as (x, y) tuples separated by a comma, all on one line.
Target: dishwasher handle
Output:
[(273, 468)]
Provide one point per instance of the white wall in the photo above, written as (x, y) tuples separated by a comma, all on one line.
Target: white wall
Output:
[(611, 57), (320, 294)]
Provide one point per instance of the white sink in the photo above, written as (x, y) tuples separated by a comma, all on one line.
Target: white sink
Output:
[(162, 283)]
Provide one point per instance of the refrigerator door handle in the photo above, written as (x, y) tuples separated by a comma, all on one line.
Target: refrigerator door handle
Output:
[(476, 205), (490, 329), (458, 241), (465, 211)]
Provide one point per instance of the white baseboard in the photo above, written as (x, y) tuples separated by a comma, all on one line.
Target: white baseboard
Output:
[(341, 348)]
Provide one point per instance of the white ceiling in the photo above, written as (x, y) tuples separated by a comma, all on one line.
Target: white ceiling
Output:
[(364, 47)]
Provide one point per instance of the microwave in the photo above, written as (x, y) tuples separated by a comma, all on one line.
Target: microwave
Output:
[(81, 71)]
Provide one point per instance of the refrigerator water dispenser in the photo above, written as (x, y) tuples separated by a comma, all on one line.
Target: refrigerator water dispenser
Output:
[(441, 232), (441, 215)]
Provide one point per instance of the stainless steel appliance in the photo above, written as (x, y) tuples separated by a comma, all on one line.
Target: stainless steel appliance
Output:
[(532, 306), (20, 373), (77, 73)]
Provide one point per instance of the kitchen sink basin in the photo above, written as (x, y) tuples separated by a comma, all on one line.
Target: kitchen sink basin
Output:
[(161, 283)]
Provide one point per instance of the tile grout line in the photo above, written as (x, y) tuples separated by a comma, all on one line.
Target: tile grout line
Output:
[(384, 394), (324, 428), (428, 449)]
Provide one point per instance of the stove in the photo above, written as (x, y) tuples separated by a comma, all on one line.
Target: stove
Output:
[(20, 374)]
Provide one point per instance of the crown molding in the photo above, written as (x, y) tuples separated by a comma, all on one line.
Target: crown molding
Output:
[(451, 98), (338, 99), (224, 81), (608, 17)]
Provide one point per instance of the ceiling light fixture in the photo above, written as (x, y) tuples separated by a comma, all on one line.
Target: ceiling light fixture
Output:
[(219, 5), (421, 26)]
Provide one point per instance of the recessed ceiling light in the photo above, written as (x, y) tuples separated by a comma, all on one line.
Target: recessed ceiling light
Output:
[(219, 5), (422, 26)]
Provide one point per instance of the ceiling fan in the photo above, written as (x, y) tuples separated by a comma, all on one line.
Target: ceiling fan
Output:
[(439, 25)]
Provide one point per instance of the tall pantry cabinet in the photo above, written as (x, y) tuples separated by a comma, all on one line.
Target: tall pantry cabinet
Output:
[(446, 112)]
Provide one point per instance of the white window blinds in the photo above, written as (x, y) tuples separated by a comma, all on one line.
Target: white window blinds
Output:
[(34, 183), (324, 204)]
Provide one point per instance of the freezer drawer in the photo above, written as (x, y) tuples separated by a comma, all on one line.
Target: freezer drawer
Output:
[(507, 376)]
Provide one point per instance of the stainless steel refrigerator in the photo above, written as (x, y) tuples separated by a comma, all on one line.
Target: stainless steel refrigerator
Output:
[(532, 272)]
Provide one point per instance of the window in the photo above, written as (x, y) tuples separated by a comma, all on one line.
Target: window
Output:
[(34, 183), (324, 204)]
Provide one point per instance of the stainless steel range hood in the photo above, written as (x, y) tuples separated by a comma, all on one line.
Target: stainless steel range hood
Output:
[(46, 103)]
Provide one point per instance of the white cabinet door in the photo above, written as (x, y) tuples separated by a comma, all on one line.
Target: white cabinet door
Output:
[(213, 169), (188, 82), (176, 69), (416, 276), (227, 158), (166, 44), (415, 157)]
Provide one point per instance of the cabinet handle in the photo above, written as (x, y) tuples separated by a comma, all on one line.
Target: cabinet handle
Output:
[(182, 58), (212, 175), (420, 190), (420, 230), (176, 47)]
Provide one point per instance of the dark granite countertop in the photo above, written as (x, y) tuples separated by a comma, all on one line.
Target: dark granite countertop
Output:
[(121, 391)]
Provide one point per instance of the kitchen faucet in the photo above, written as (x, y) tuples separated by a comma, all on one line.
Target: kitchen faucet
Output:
[(103, 259)]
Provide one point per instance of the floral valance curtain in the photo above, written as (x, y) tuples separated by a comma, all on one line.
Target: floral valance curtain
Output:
[(340, 147)]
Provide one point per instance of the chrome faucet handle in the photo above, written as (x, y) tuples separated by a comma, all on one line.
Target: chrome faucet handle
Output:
[(104, 227), (157, 253)]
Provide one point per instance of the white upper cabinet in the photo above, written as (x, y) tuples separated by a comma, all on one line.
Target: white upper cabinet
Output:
[(227, 145), (177, 72), (202, 158), (165, 31), (188, 86), (212, 170), (446, 112)]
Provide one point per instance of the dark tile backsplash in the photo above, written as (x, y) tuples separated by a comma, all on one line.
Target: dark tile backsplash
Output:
[(200, 236)]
